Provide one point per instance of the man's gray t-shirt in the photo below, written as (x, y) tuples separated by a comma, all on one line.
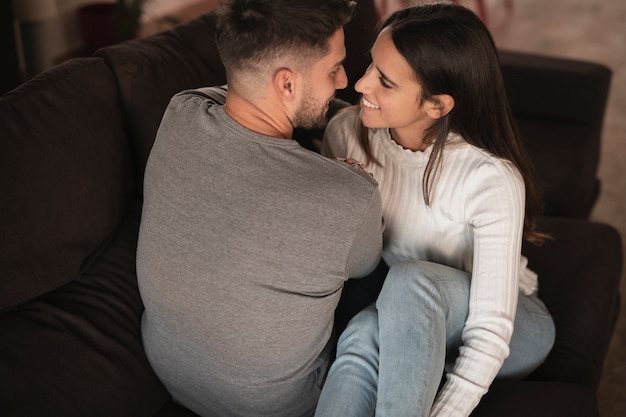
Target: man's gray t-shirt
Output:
[(245, 244)]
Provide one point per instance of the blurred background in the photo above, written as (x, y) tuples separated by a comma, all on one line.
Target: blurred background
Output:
[(37, 34)]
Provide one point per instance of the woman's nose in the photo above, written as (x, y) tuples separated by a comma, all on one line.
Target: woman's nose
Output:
[(361, 85)]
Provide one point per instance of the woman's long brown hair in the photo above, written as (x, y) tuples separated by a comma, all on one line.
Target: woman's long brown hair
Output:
[(452, 52)]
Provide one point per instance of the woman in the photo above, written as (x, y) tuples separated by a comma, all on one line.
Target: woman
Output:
[(458, 198)]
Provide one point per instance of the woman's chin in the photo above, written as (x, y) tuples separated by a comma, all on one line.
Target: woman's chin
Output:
[(366, 119)]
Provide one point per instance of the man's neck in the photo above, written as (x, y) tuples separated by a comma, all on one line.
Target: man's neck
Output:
[(260, 118)]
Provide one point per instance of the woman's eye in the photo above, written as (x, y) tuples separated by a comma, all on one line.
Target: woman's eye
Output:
[(383, 82)]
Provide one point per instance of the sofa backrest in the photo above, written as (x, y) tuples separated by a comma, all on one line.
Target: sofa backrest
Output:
[(65, 176), (151, 70), (559, 105), (554, 77)]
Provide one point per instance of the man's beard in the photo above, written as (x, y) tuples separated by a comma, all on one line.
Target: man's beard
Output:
[(309, 115)]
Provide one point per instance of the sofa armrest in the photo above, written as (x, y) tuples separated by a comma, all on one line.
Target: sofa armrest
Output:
[(579, 274)]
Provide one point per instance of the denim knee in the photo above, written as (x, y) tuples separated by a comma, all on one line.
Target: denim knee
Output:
[(422, 285), (420, 290), (361, 331)]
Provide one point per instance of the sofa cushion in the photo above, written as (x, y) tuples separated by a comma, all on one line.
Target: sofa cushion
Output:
[(150, 71), (77, 351), (65, 176), (537, 399), (579, 274)]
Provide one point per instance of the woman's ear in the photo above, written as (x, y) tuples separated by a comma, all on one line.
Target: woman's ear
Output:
[(440, 105)]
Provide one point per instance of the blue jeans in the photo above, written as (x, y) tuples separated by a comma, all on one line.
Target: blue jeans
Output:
[(418, 298)]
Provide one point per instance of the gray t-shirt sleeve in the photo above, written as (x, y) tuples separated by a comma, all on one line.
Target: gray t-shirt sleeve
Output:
[(367, 246)]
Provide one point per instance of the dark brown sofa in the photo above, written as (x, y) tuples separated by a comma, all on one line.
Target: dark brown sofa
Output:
[(74, 144)]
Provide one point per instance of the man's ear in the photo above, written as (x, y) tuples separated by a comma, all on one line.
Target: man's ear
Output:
[(285, 83), (440, 105)]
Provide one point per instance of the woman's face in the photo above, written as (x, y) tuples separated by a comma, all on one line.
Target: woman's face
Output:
[(391, 96)]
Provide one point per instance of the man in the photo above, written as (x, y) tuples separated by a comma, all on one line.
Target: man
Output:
[(247, 238)]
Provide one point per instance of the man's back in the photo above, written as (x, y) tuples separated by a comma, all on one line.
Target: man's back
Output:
[(245, 243)]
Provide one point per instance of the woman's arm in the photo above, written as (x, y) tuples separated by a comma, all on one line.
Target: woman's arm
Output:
[(494, 207)]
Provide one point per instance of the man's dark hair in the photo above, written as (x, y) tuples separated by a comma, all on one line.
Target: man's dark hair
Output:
[(251, 32)]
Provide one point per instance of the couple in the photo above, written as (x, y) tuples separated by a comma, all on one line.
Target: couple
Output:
[(247, 239)]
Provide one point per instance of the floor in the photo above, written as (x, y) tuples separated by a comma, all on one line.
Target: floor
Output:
[(593, 30)]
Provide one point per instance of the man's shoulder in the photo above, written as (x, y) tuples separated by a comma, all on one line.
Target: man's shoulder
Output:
[(351, 170), (215, 95)]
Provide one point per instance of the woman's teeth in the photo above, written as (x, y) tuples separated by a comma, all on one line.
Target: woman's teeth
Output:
[(369, 105)]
